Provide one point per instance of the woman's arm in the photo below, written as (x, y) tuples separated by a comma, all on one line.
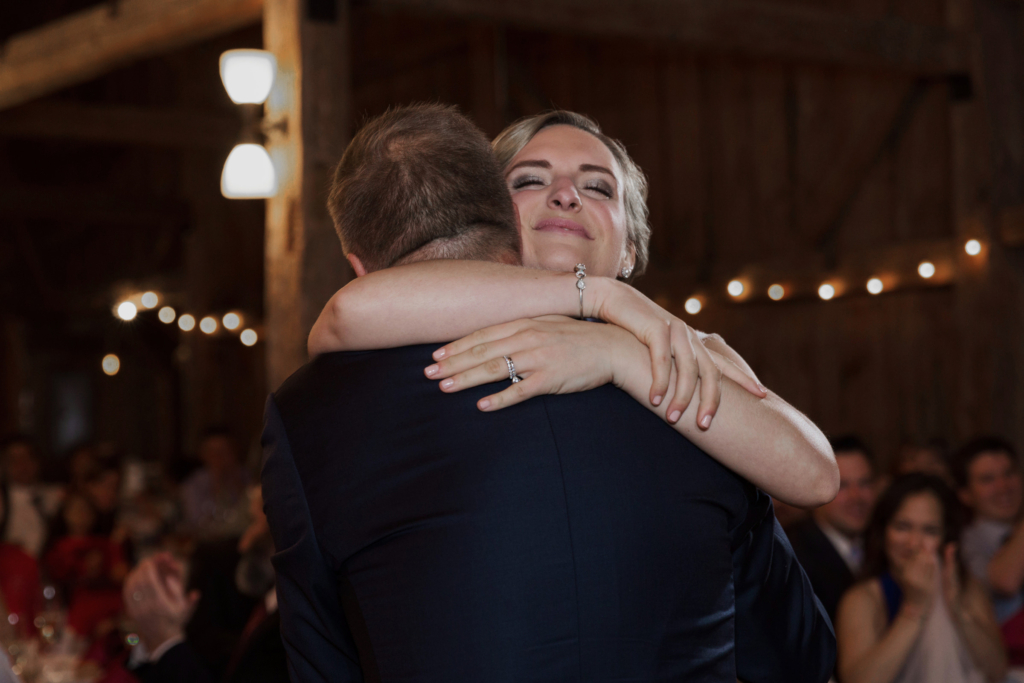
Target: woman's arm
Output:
[(765, 440), (870, 652)]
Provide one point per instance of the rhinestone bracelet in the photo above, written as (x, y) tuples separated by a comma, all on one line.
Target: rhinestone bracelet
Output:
[(581, 273)]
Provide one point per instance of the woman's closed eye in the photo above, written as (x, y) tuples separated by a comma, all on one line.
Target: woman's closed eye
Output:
[(600, 187), (526, 181)]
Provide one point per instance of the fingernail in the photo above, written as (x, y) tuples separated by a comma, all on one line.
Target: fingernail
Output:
[(763, 388), (674, 417), (447, 383), (432, 370), (439, 354), (484, 404), (706, 422), (656, 400)]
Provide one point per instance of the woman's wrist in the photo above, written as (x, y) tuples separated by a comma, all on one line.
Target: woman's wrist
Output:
[(597, 295)]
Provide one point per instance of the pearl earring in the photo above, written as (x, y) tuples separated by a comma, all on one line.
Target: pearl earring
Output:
[(626, 271)]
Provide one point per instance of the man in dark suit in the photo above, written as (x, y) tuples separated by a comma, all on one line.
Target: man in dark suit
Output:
[(566, 538), (830, 542)]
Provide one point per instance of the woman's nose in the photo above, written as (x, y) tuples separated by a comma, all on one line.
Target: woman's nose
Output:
[(563, 195)]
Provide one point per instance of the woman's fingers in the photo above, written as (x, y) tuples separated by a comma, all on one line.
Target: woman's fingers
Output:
[(733, 372), (483, 353), (517, 393), (687, 373), (493, 370), (660, 343), (710, 386), (481, 337)]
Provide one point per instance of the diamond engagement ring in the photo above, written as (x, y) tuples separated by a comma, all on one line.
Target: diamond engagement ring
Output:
[(512, 370)]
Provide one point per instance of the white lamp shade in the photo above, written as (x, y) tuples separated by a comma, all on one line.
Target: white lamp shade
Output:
[(248, 75), (248, 173)]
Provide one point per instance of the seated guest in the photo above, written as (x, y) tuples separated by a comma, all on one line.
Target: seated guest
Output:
[(829, 543), (88, 565), (172, 648), (213, 499), (917, 617), (28, 504), (987, 472)]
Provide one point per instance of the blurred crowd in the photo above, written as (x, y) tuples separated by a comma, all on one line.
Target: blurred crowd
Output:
[(920, 567), (119, 571), (112, 569)]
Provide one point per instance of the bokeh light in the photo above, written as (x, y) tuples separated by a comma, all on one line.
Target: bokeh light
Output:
[(187, 323), (111, 364), (776, 292), (926, 269), (150, 299), (973, 247), (735, 288), (875, 286), (826, 291), (208, 324), (166, 315), (692, 305), (232, 321), (248, 337), (127, 311)]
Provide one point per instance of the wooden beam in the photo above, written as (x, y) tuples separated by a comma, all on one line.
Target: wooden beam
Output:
[(758, 28), (311, 102), (120, 125), (89, 43)]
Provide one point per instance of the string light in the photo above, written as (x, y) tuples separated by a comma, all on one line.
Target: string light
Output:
[(167, 315), (926, 269), (875, 286), (231, 321), (973, 247), (735, 288), (126, 310), (150, 299), (692, 305), (111, 364), (248, 337), (186, 323), (208, 325), (826, 291), (776, 292)]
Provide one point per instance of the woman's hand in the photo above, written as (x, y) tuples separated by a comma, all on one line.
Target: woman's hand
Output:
[(951, 587), (553, 354), (669, 339), (918, 581)]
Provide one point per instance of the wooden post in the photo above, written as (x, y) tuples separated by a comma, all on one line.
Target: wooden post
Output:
[(308, 115)]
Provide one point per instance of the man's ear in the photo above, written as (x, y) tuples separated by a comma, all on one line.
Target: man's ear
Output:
[(357, 265)]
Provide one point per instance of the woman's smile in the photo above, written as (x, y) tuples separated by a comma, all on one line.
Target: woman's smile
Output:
[(563, 226)]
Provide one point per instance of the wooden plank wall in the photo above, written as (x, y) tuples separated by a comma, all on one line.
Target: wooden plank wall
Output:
[(758, 162)]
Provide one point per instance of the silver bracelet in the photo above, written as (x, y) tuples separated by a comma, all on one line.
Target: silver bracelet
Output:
[(581, 274)]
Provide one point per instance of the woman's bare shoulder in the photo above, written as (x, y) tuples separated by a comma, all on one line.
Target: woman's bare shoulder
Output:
[(865, 597)]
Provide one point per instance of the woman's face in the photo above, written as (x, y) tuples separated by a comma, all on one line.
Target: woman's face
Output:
[(916, 525), (78, 515), (567, 188)]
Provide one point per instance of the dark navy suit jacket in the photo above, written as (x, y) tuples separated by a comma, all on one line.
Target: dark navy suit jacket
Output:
[(567, 538)]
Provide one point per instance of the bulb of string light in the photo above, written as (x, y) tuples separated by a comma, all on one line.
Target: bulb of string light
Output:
[(127, 310), (926, 269), (167, 315), (973, 247), (231, 321), (248, 75), (187, 323), (692, 305), (111, 364), (248, 173), (826, 291), (735, 288), (150, 299), (776, 292), (208, 325), (248, 337), (875, 286)]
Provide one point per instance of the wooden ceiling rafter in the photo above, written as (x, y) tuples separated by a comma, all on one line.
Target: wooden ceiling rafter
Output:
[(89, 43)]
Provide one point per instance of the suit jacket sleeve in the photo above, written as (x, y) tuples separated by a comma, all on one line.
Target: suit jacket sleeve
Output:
[(782, 631), (316, 637)]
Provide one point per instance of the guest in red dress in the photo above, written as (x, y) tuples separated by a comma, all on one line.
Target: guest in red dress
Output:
[(89, 566)]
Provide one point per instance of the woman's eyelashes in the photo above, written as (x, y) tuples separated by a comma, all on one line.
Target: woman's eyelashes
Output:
[(526, 181), (598, 186)]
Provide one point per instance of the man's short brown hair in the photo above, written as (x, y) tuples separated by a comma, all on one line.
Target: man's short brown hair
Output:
[(421, 179)]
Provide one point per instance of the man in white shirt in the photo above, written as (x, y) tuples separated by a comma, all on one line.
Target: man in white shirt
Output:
[(27, 505), (830, 543)]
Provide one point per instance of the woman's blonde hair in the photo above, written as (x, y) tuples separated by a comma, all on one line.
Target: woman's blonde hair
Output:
[(634, 195)]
